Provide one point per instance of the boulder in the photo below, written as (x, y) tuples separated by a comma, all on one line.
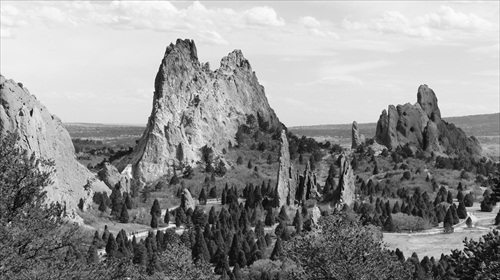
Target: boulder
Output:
[(187, 200), (285, 185), (421, 128), (195, 107), (43, 134)]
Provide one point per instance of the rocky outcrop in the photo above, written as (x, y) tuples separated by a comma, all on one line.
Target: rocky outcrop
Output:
[(112, 178), (357, 138), (345, 191), (306, 188), (421, 128), (44, 135), (193, 107), (286, 185), (187, 201)]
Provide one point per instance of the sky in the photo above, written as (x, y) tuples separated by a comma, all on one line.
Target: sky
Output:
[(325, 62)]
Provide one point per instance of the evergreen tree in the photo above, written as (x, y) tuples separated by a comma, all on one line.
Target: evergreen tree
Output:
[(200, 249), (270, 220), (97, 241), (155, 209), (277, 251), (468, 222), (454, 214), (242, 259), (116, 202), (153, 264), (140, 254), (220, 261), (280, 228), (105, 234), (269, 161), (301, 159), (124, 214), (111, 246), (460, 196), (237, 272), (92, 255), (166, 218), (283, 216), (154, 221), (203, 197), (103, 207), (128, 201), (449, 199), (469, 200), (461, 211), (448, 221), (234, 250), (375, 169), (250, 165), (389, 224), (297, 222)]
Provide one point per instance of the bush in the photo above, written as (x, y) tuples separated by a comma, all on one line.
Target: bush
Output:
[(403, 222), (406, 175)]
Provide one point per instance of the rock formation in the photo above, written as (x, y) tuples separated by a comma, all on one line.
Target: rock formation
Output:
[(421, 128), (111, 177), (193, 107), (344, 193), (44, 135), (187, 201), (306, 188), (286, 185), (357, 138)]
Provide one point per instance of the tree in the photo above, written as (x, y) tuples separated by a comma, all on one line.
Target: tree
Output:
[(124, 214), (468, 222), (103, 207), (486, 204), (188, 172), (203, 197), (92, 255), (270, 220), (461, 211), (239, 160), (277, 250), (297, 222), (128, 201), (200, 250), (283, 216), (249, 165), (389, 224), (362, 256), (448, 221), (469, 200), (111, 246), (154, 221), (155, 209)]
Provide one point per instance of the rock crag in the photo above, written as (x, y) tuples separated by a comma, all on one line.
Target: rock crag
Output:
[(357, 138), (112, 178), (421, 128), (43, 134), (193, 107), (345, 191), (286, 185)]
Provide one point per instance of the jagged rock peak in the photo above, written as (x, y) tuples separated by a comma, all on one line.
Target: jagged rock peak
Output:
[(345, 192), (44, 135), (195, 107), (357, 138), (421, 128), (285, 185)]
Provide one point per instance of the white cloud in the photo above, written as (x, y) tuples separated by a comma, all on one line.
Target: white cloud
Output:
[(446, 18), (425, 26), (314, 27), (203, 23), (492, 50)]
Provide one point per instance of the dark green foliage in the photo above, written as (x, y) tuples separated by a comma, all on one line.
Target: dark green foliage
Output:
[(200, 249), (486, 204), (469, 200), (221, 169), (237, 272), (389, 224), (111, 246), (375, 169), (270, 219), (448, 220), (297, 222), (124, 214), (103, 207), (362, 256), (407, 175), (468, 222), (166, 218), (234, 250), (277, 250), (239, 160), (92, 255), (249, 165), (145, 194), (154, 221), (461, 211), (449, 198), (283, 216), (155, 209), (203, 197), (188, 172)]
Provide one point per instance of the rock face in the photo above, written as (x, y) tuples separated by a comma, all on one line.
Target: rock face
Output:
[(357, 138), (306, 188), (43, 134), (111, 177), (344, 194), (187, 201), (421, 128), (286, 185), (193, 107)]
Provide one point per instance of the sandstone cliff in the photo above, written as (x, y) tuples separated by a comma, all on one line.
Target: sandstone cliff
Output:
[(193, 107), (420, 126), (43, 134), (345, 191)]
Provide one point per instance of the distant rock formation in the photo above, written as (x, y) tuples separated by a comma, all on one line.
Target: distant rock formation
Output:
[(345, 191), (43, 134), (111, 177), (421, 128), (286, 185), (193, 107), (357, 138), (306, 188)]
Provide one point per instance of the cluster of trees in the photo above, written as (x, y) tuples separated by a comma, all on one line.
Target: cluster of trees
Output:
[(482, 166), (119, 203)]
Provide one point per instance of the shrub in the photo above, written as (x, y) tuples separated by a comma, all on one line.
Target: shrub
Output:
[(407, 175), (404, 222)]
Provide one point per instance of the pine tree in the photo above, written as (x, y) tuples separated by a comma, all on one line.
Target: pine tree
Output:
[(153, 264), (166, 218), (200, 249), (250, 165), (449, 199), (270, 220), (448, 220), (454, 214), (242, 259), (389, 224), (283, 216), (92, 255), (468, 222), (124, 214), (301, 159), (460, 196), (155, 209), (277, 251), (297, 222), (237, 272), (140, 254), (203, 197), (461, 211), (105, 234), (97, 241), (234, 250), (220, 261), (154, 221), (469, 200), (103, 207), (111, 246)]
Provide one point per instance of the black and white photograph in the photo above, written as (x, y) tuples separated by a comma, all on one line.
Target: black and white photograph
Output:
[(250, 140)]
